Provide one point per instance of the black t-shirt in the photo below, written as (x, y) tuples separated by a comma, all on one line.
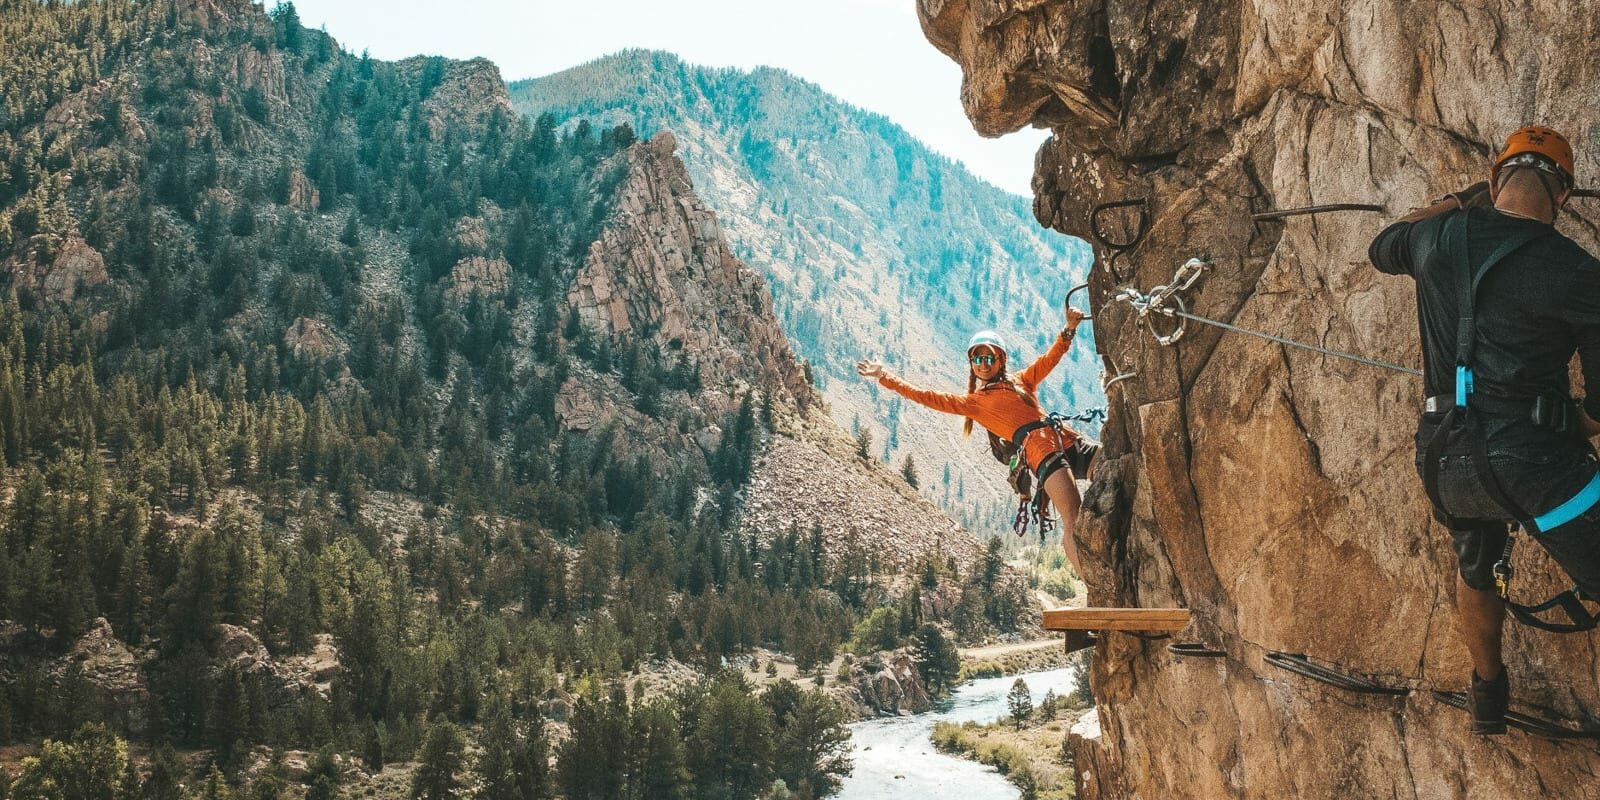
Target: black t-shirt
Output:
[(1534, 310)]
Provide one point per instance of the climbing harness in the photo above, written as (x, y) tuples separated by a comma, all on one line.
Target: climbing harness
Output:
[(1034, 506), (1278, 214), (1156, 303), (1089, 415), (1527, 723), (1119, 247), (1299, 664), (1194, 650), (1032, 509), (1460, 415)]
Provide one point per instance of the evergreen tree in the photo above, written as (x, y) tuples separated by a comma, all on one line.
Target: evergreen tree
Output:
[(215, 787), (436, 777), (323, 782), (656, 767), (593, 761), (908, 470), (937, 659), (1019, 701), (813, 745), (730, 744), (165, 781)]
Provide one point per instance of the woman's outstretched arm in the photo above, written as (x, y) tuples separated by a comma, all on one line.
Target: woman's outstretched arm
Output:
[(1036, 372), (938, 401)]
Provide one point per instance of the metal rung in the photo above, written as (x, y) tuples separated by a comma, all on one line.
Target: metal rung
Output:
[(1534, 726), (1300, 665), (1270, 216), (1194, 650)]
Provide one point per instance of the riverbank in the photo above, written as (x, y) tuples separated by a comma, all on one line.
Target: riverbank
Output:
[(895, 758), (1033, 758)]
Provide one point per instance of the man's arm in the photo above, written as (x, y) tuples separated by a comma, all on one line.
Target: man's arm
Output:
[(1586, 320), (1391, 249)]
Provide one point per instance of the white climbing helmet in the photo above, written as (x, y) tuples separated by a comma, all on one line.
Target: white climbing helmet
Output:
[(989, 338)]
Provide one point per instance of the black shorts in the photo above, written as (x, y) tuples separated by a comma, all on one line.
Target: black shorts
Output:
[(1539, 481), (1079, 457)]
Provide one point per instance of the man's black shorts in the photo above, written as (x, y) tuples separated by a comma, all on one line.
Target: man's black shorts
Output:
[(1539, 481)]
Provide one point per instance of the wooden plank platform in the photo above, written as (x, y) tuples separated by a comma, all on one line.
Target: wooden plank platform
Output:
[(1150, 620)]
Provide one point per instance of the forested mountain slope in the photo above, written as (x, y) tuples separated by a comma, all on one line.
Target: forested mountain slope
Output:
[(874, 245), (333, 414)]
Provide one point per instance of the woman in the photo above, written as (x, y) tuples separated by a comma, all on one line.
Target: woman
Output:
[(1006, 406)]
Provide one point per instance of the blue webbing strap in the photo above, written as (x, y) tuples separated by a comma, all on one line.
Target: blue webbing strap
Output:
[(1463, 384), (1568, 511)]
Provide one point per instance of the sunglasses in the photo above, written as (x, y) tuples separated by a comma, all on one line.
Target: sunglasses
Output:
[(984, 360)]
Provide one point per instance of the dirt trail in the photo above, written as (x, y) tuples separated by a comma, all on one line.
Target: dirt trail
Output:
[(997, 650)]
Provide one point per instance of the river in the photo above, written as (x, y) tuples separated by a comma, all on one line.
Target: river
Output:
[(895, 758)]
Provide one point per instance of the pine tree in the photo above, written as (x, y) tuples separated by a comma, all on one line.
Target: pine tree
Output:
[(813, 745), (656, 766), (937, 660), (864, 443), (1019, 701), (908, 470), (323, 782), (165, 780)]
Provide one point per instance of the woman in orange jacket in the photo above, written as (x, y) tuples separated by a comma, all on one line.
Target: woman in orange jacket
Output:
[(1008, 407)]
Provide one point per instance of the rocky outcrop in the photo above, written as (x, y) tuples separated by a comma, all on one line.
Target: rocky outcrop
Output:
[(814, 479), (310, 339), (459, 95), (1269, 489), (75, 266), (115, 672), (479, 276), (886, 686), (661, 272), (282, 683)]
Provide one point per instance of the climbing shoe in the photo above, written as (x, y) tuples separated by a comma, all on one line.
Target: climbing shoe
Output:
[(1487, 704)]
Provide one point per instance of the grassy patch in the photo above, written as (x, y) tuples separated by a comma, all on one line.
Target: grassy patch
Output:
[(1034, 757)]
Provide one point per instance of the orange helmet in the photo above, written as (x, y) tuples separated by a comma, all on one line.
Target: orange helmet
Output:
[(1539, 147)]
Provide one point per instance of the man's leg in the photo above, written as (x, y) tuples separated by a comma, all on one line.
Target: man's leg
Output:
[(1481, 616)]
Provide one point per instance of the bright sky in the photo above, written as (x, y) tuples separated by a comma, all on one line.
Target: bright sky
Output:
[(869, 52)]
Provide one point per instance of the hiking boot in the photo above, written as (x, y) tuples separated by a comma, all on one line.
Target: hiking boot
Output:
[(1486, 703)]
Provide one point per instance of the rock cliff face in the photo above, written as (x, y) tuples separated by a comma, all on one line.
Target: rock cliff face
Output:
[(662, 272), (1269, 489)]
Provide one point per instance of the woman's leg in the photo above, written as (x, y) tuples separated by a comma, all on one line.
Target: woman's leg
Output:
[(1063, 491)]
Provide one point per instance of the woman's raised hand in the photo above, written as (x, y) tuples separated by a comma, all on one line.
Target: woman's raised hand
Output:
[(1075, 315), (869, 369)]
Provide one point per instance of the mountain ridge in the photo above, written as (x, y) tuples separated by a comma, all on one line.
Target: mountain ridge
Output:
[(874, 245)]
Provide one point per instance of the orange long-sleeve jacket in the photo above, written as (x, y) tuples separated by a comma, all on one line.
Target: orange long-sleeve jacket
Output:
[(997, 406)]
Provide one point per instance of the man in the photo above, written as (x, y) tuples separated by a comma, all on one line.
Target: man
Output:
[(1503, 301)]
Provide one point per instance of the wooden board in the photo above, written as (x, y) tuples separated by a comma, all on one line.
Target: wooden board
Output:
[(1153, 620)]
